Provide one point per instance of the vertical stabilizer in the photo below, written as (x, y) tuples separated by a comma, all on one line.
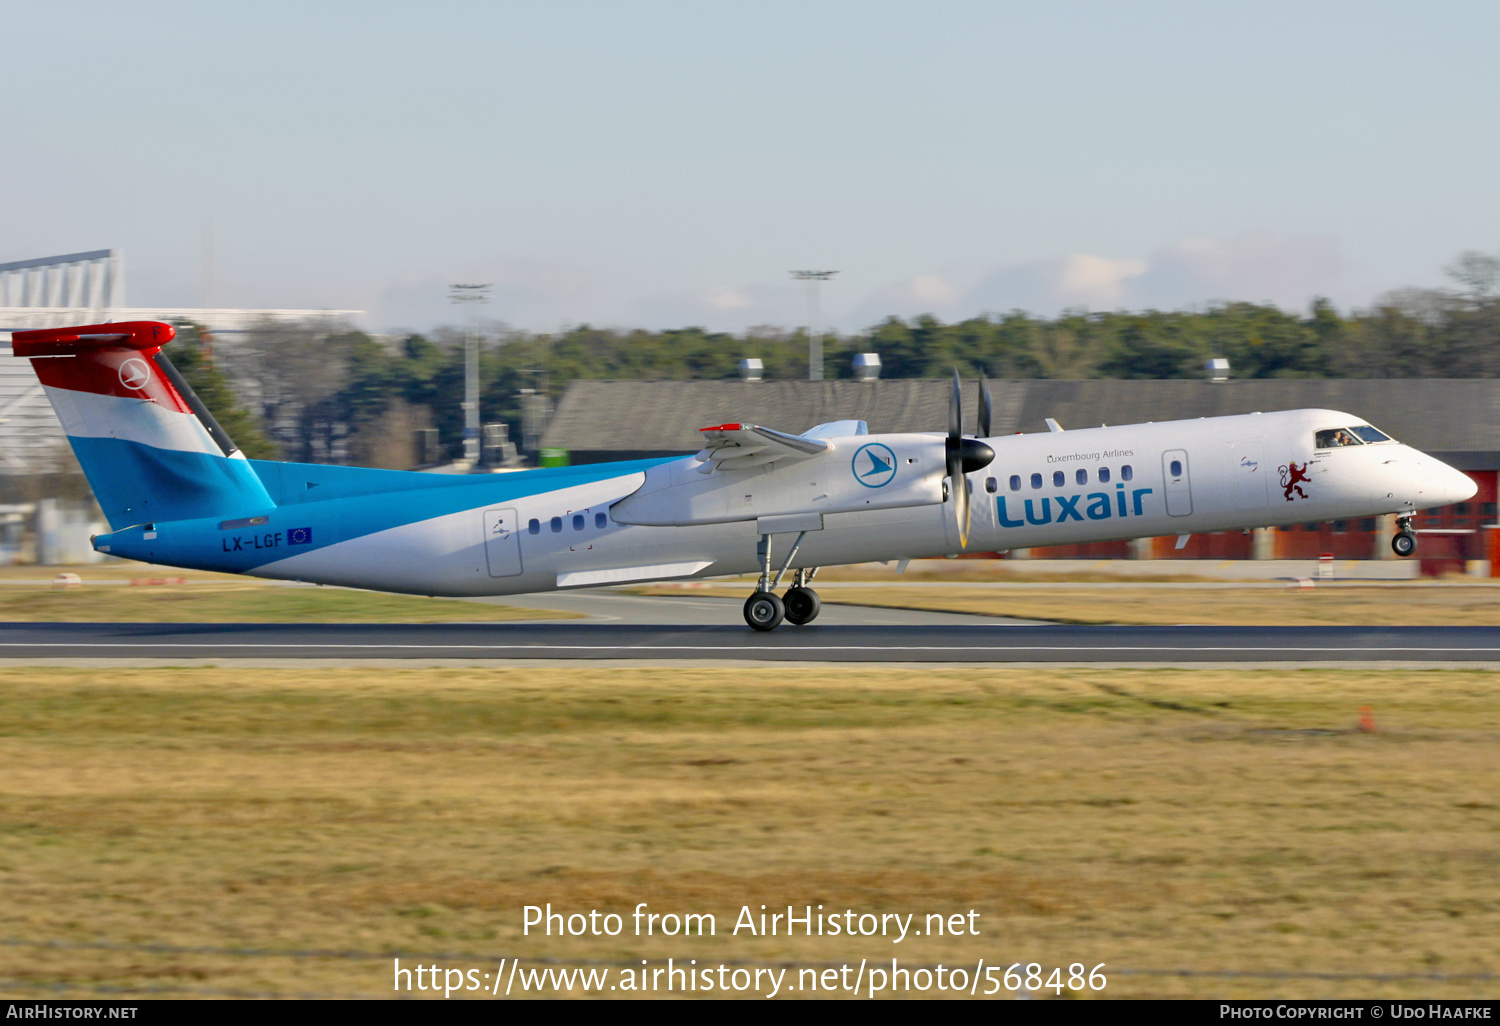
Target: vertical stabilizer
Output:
[(149, 447)]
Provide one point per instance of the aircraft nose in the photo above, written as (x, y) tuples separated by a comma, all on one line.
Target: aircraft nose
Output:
[(1456, 485)]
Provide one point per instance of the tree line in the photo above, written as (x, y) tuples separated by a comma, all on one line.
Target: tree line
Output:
[(318, 394)]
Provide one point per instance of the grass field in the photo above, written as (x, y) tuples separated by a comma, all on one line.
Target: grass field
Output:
[(1147, 819), (222, 598), (1416, 604)]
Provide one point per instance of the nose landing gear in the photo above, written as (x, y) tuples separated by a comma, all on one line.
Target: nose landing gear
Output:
[(764, 610), (1405, 541)]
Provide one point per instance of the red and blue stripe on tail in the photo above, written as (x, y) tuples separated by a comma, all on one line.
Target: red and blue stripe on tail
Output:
[(150, 449)]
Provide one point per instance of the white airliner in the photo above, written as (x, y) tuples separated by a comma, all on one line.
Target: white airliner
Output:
[(177, 491)]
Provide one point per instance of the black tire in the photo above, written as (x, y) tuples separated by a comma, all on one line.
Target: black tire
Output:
[(1404, 544), (764, 611), (802, 605)]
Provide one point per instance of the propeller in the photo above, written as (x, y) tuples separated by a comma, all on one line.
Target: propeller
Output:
[(985, 405), (964, 456)]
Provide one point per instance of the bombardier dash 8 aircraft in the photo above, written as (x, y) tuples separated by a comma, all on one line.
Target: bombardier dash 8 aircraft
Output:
[(177, 491)]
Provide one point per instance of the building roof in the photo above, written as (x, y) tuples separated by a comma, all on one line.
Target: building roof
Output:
[(1457, 420)]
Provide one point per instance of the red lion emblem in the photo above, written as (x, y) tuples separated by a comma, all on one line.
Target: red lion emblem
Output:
[(1290, 483)]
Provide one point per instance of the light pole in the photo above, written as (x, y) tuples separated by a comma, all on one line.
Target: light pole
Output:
[(814, 338), (470, 294)]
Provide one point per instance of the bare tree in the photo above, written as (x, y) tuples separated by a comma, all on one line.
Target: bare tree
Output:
[(1478, 273)]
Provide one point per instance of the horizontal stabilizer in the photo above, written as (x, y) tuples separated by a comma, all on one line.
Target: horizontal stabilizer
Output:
[(77, 340)]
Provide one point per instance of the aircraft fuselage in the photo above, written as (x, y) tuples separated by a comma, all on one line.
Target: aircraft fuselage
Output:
[(536, 531)]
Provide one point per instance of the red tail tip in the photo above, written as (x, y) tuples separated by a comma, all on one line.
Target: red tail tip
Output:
[(82, 338)]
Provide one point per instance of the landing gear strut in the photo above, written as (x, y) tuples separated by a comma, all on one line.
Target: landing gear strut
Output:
[(763, 610), (1405, 541)]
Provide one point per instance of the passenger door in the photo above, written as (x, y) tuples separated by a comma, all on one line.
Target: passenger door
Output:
[(1174, 467), (502, 542)]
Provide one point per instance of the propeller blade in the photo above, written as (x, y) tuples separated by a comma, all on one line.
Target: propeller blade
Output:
[(958, 487), (985, 405), (955, 411), (965, 513), (964, 456)]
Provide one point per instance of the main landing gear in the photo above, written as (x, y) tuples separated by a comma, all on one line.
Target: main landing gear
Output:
[(1405, 541), (764, 610), (802, 603)]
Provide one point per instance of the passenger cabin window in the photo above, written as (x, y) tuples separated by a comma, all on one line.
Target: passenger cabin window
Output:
[(1334, 438), (991, 485), (1126, 473), (1059, 479), (601, 521), (1036, 480), (578, 521), (1176, 468), (1082, 477), (556, 525), (1104, 475), (535, 527), (1015, 482)]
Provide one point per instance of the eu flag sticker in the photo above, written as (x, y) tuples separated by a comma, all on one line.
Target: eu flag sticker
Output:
[(299, 536)]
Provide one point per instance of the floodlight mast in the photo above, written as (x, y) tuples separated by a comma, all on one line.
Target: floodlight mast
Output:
[(470, 294), (814, 336)]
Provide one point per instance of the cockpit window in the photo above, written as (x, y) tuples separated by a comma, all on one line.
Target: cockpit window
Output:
[(1370, 434), (1335, 437)]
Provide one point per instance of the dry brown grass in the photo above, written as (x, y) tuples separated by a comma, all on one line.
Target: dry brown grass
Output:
[(1143, 818), (1414, 604), (241, 600)]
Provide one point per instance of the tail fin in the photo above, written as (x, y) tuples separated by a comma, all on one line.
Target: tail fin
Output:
[(150, 449)]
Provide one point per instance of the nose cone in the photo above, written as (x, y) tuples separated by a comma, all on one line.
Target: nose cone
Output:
[(1454, 485)]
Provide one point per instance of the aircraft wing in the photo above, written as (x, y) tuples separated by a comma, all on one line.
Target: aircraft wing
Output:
[(746, 446)]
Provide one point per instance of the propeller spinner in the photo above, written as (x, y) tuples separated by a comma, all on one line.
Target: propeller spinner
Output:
[(965, 455)]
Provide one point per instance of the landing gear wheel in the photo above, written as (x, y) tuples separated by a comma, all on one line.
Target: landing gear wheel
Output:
[(764, 611), (1404, 543), (802, 605)]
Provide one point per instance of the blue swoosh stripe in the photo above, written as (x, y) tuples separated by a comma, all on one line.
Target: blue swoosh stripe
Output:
[(358, 502)]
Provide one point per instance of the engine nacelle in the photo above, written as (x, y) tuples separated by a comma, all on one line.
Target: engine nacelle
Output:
[(859, 472)]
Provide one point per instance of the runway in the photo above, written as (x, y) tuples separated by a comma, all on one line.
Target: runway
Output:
[(610, 605), (583, 640)]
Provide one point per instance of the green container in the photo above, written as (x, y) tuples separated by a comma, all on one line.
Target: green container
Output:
[(554, 457)]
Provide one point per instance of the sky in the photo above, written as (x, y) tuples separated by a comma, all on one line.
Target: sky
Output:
[(663, 164)]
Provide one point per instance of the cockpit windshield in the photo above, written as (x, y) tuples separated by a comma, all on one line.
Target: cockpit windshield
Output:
[(1360, 434)]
